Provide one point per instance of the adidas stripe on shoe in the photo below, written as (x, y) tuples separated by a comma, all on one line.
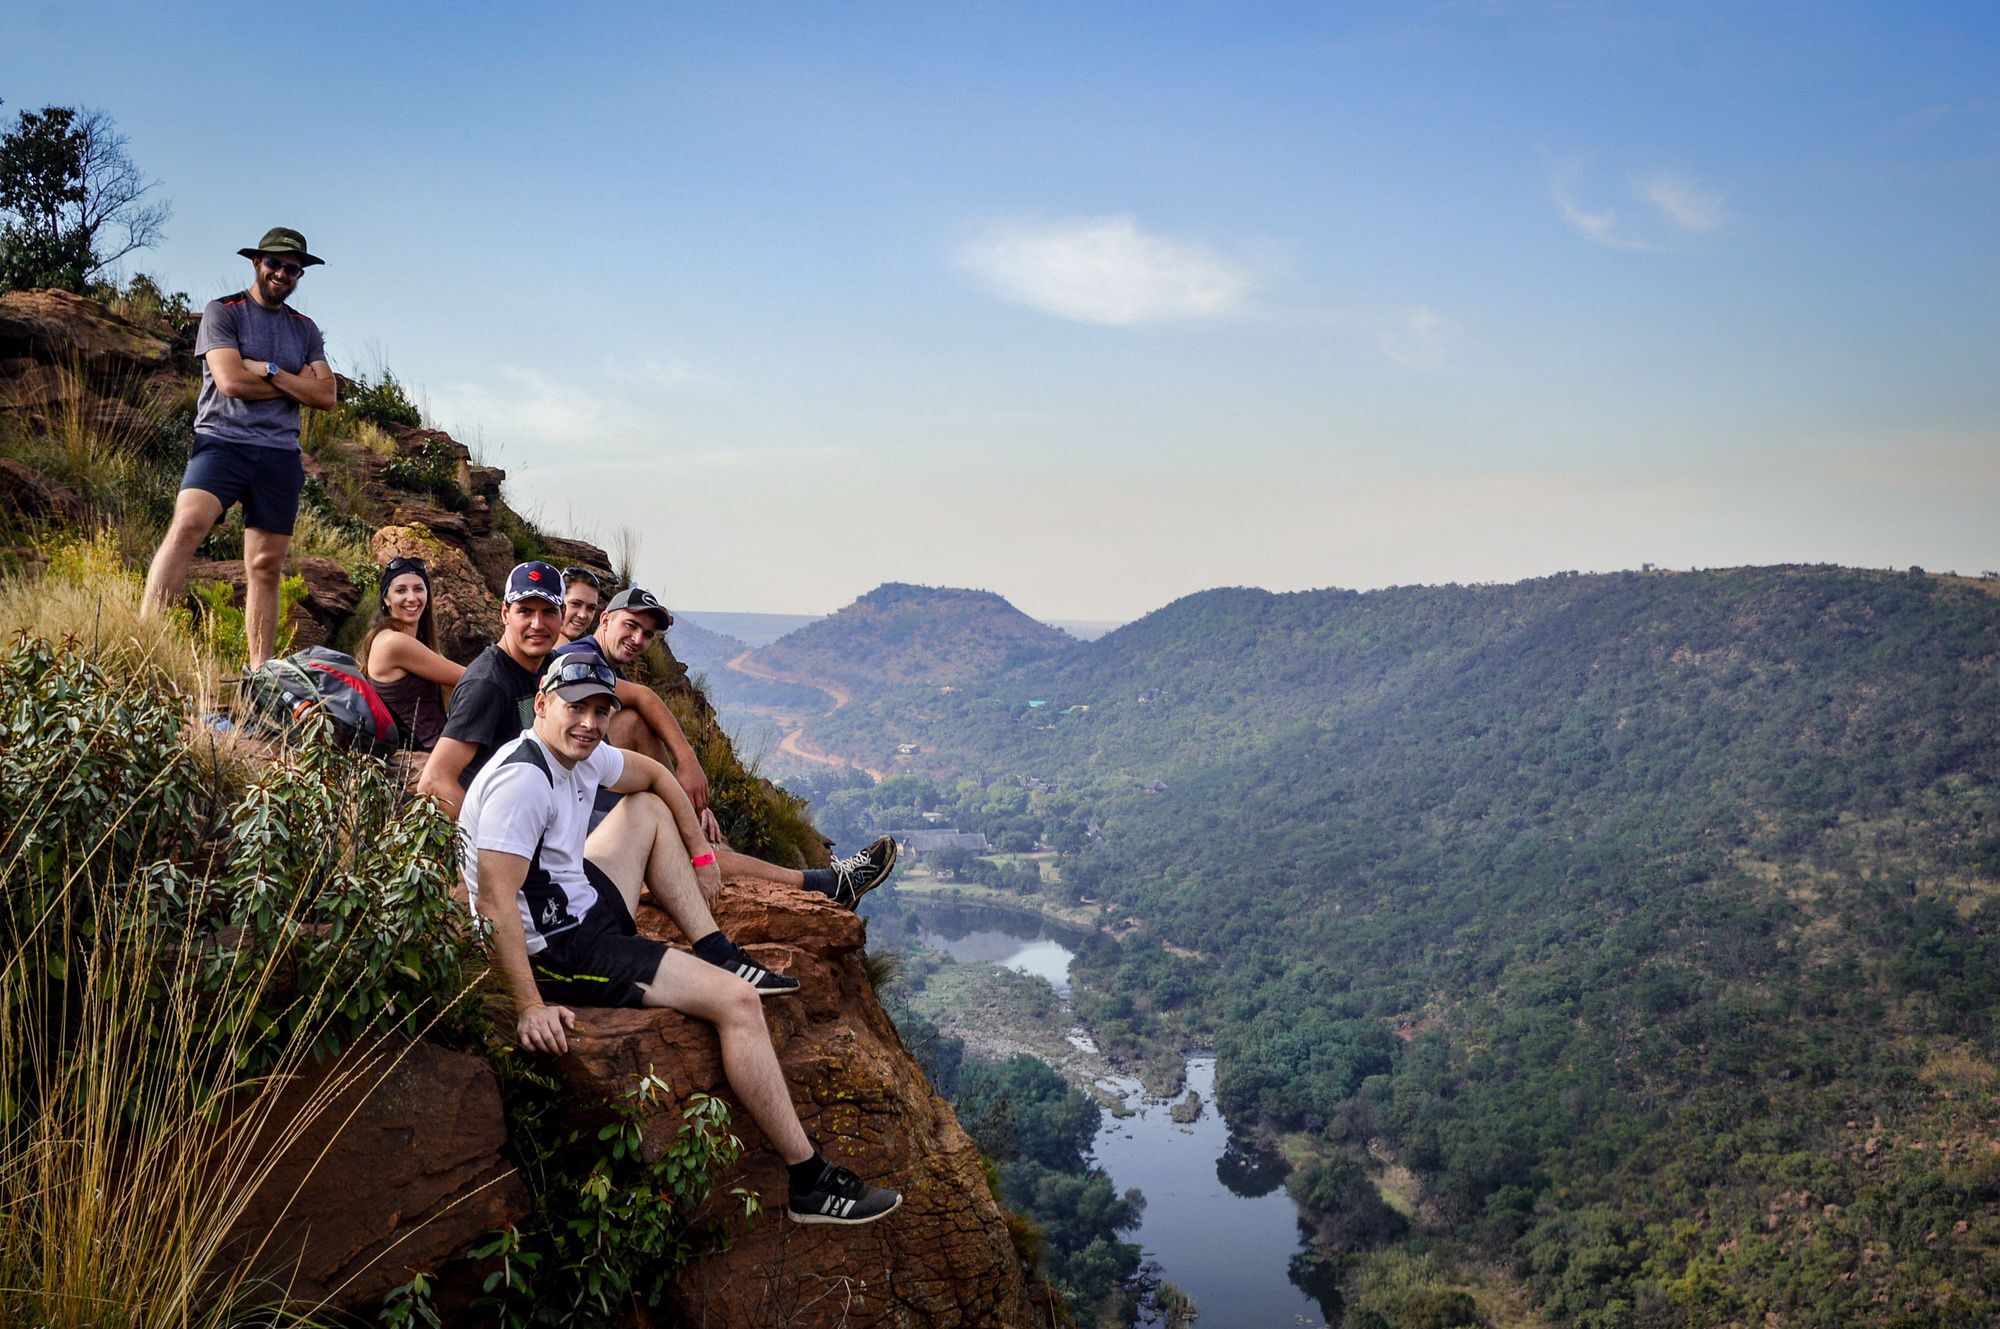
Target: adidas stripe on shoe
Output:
[(841, 1197), (768, 983)]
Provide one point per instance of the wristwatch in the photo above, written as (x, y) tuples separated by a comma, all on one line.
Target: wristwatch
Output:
[(270, 369)]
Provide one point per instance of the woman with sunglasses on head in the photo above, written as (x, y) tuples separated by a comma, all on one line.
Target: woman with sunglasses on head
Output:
[(399, 654)]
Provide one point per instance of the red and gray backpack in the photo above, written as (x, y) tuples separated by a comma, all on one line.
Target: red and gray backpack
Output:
[(279, 694)]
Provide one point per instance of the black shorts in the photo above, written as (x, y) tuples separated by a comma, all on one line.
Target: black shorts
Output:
[(602, 961), (265, 480)]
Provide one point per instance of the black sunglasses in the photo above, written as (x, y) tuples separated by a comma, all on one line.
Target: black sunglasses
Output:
[(290, 269), (580, 574), (579, 671), (397, 566)]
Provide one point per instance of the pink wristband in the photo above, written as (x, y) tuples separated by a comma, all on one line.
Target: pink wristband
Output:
[(702, 860)]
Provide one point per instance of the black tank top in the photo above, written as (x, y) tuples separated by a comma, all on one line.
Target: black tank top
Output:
[(418, 705)]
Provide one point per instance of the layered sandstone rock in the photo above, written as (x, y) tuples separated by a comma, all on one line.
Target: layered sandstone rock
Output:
[(35, 495), (400, 1170), (59, 327), (944, 1259)]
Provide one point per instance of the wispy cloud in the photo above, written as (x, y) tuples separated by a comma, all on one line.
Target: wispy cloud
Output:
[(615, 412), (1601, 225), (1104, 270), (1681, 202), (1418, 337), (1678, 206)]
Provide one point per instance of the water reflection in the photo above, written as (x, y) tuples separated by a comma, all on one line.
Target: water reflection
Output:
[(1249, 1169), (1318, 1279), (1217, 1222), (971, 935)]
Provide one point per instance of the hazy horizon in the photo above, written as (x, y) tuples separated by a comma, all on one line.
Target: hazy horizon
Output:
[(1097, 312)]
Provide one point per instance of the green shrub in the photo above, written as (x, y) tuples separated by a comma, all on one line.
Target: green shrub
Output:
[(382, 402), (611, 1228), (179, 949), (432, 468), (223, 623)]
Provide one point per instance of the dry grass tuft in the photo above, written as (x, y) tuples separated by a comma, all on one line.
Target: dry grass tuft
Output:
[(88, 594)]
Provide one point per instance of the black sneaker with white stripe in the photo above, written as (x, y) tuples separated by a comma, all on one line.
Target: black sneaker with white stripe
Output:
[(840, 1197), (768, 983), (858, 874)]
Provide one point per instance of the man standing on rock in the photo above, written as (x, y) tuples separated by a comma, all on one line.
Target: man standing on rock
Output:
[(562, 922), (633, 621), (260, 362)]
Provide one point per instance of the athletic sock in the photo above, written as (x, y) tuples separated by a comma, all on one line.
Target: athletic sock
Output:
[(822, 880), (716, 948), (804, 1175)]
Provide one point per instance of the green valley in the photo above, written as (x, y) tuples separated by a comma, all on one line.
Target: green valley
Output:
[(1649, 921)]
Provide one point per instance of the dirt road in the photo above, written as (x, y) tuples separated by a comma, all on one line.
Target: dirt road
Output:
[(793, 742)]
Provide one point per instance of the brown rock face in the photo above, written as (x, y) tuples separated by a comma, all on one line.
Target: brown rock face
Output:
[(29, 385), (413, 1177), (57, 326), (33, 494), (466, 612), (943, 1259), (566, 553)]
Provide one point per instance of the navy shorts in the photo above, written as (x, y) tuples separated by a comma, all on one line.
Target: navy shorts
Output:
[(602, 961), (265, 480)]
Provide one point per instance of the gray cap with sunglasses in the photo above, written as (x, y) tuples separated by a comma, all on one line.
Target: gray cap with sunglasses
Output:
[(580, 674)]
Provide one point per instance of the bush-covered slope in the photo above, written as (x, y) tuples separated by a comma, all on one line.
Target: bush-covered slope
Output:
[(899, 633), (1654, 921)]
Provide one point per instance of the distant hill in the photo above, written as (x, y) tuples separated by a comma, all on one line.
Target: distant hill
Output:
[(1652, 920), (751, 629), (898, 633), (1085, 629), (708, 654)]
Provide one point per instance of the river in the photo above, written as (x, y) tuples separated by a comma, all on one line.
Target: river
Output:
[(1218, 1224)]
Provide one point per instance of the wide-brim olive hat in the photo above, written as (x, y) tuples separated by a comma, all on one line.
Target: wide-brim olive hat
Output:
[(282, 240)]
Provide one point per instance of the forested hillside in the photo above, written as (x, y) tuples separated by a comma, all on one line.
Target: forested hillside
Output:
[(899, 633), (1653, 921)]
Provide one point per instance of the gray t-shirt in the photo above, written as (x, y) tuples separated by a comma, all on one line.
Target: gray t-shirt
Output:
[(284, 336)]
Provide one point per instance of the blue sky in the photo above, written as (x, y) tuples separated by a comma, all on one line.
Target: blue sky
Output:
[(1099, 305)]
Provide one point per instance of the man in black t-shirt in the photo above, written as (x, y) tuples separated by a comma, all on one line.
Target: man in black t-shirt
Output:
[(495, 699)]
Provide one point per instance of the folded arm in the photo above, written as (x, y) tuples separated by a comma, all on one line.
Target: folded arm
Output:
[(245, 380), (647, 704)]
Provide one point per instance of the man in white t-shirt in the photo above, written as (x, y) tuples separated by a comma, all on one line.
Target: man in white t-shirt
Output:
[(562, 928)]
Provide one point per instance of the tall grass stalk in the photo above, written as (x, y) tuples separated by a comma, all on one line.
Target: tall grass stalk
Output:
[(153, 1073), (135, 1143)]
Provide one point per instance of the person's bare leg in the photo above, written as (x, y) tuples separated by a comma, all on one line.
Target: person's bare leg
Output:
[(637, 845), (263, 569), (683, 983), (195, 513), (633, 734), (738, 867)]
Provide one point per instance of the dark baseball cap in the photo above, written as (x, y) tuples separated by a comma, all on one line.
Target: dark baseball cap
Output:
[(283, 240), (580, 674), (639, 600), (535, 578)]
